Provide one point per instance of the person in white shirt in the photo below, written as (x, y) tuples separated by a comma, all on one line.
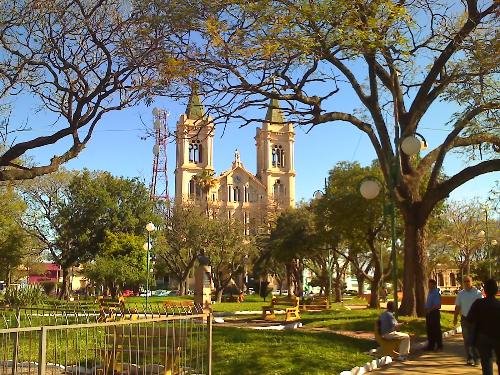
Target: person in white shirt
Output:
[(388, 325), (463, 302)]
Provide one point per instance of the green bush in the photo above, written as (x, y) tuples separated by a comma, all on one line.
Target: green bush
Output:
[(49, 287), (25, 295)]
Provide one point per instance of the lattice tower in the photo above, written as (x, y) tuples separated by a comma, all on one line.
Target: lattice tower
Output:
[(159, 179)]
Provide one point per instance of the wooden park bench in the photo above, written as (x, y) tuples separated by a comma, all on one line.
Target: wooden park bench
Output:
[(233, 298), (143, 348), (180, 306), (109, 308), (315, 303), (386, 347), (290, 305)]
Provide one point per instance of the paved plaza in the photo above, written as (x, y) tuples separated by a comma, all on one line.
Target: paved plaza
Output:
[(451, 361)]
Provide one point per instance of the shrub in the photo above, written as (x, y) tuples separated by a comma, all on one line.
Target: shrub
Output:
[(25, 295), (49, 287)]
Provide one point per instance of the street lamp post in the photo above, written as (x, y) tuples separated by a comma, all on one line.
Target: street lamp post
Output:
[(370, 189), (318, 194), (487, 242), (149, 228), (371, 186)]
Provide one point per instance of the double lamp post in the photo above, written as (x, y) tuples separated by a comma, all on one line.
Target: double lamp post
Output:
[(370, 188)]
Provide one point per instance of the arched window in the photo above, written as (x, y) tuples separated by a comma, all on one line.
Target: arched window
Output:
[(195, 151), (194, 189), (278, 189), (278, 156), (237, 194), (453, 279), (440, 279), (245, 194)]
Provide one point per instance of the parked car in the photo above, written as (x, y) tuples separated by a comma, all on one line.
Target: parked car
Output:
[(143, 294), (128, 293), (161, 292), (351, 292)]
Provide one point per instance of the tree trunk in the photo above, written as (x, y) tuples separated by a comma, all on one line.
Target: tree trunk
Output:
[(375, 288), (360, 278), (467, 264), (65, 291), (182, 287), (339, 277), (415, 268), (218, 294)]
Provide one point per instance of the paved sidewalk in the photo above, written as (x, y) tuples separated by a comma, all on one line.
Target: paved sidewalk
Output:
[(451, 361)]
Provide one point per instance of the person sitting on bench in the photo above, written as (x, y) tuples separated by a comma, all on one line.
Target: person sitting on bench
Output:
[(388, 331)]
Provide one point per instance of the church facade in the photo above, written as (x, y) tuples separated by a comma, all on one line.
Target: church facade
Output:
[(236, 192)]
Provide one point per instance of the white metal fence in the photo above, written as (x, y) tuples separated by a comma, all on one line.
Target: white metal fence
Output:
[(72, 342)]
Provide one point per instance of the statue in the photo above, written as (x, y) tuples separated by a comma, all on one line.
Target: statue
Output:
[(237, 156)]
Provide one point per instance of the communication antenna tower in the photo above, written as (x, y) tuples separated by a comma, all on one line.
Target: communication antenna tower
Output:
[(159, 179)]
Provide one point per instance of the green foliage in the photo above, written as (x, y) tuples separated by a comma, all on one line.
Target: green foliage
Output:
[(24, 296), (48, 286), (228, 250), (121, 262), (182, 238), (97, 204), (14, 241), (295, 235)]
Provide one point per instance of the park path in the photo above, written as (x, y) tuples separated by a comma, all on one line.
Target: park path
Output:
[(451, 361)]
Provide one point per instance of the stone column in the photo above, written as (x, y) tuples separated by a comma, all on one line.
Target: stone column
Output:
[(203, 288)]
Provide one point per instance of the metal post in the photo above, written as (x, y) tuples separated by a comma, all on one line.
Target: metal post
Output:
[(42, 354), (329, 276), (394, 257), (209, 343), (147, 270), (486, 237), (15, 354)]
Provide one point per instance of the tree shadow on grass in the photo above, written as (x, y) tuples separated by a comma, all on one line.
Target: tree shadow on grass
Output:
[(248, 352)]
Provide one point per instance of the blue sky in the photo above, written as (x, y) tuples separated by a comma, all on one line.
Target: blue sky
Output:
[(117, 147)]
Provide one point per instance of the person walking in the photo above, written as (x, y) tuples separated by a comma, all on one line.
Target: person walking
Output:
[(433, 317), (388, 326), (463, 302), (485, 314)]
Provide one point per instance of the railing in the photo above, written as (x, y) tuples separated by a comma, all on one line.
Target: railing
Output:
[(41, 341)]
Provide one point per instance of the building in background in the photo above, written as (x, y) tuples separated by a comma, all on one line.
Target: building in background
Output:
[(235, 192)]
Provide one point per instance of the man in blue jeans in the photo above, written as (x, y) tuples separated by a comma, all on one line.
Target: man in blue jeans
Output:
[(485, 314), (463, 302), (433, 317)]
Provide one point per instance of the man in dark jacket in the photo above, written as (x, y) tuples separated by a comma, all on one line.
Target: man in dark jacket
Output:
[(433, 317), (485, 314)]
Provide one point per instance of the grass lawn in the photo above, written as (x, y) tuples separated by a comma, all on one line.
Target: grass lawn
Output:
[(246, 352)]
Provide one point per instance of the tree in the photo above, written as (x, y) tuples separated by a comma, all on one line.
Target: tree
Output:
[(182, 238), (294, 238), (206, 181), (15, 243), (461, 233), (359, 223), (398, 59), (121, 262), (95, 205), (228, 249), (79, 60), (74, 215), (44, 195)]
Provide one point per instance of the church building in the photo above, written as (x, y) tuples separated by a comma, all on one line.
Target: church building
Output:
[(235, 192)]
